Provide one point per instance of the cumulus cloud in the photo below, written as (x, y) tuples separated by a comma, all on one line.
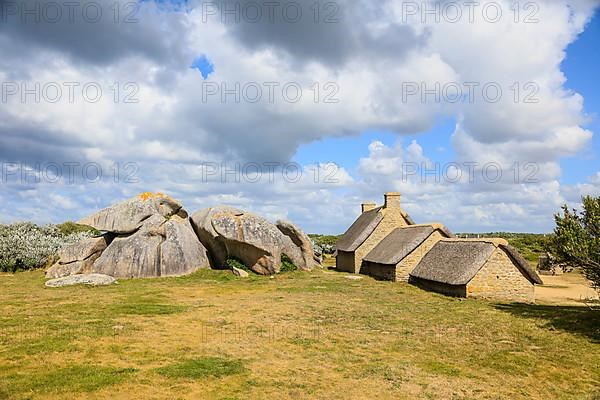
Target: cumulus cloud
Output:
[(354, 73), (464, 197), (96, 33), (330, 33)]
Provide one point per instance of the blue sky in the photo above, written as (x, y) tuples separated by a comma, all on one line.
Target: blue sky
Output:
[(204, 66), (346, 151), (582, 68)]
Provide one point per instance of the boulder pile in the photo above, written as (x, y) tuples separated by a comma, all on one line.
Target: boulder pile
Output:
[(151, 235), (232, 233)]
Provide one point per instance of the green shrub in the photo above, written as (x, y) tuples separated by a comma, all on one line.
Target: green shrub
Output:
[(25, 246), (530, 245), (232, 262), (287, 265), (70, 228), (576, 242), (324, 240)]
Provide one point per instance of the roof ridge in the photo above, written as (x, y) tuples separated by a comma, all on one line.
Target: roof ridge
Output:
[(360, 230), (435, 225), (495, 241)]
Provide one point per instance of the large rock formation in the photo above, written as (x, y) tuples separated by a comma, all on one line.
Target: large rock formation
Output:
[(151, 235), (136, 255), (210, 238), (300, 239), (181, 248), (232, 233), (128, 216), (147, 236), (78, 258)]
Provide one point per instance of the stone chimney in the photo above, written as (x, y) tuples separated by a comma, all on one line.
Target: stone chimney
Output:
[(392, 200), (368, 206)]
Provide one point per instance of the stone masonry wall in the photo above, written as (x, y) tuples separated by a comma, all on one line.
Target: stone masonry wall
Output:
[(405, 267), (392, 219), (500, 279)]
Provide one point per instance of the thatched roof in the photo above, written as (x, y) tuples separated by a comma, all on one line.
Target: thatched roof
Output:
[(360, 230), (456, 262), (453, 262), (401, 242)]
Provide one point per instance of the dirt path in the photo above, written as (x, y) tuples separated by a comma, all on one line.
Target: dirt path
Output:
[(566, 289)]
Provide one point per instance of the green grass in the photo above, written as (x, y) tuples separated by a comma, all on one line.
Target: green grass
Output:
[(140, 308), (299, 335), (209, 275), (71, 379), (440, 368), (201, 368)]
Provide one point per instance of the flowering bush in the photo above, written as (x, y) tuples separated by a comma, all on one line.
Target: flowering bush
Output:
[(26, 246)]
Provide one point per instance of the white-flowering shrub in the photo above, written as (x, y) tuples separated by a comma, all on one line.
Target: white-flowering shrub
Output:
[(26, 246)]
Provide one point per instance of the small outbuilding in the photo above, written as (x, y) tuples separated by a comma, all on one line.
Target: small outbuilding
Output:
[(400, 251), (371, 227), (482, 268)]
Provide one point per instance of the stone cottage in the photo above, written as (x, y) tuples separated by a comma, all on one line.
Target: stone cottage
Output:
[(400, 251), (481, 268), (371, 227)]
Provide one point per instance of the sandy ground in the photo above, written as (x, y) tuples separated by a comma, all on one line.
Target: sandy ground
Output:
[(566, 289)]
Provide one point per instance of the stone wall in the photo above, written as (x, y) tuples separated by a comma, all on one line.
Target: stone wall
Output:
[(500, 279), (405, 267), (392, 219), (345, 261)]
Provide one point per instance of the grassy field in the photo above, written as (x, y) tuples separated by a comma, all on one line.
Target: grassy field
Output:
[(297, 336)]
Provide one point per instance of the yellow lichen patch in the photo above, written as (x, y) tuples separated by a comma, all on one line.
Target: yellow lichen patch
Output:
[(149, 195)]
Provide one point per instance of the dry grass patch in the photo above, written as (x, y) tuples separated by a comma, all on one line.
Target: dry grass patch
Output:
[(201, 368), (299, 335)]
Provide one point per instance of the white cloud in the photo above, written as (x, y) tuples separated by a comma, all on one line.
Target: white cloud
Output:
[(370, 55)]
